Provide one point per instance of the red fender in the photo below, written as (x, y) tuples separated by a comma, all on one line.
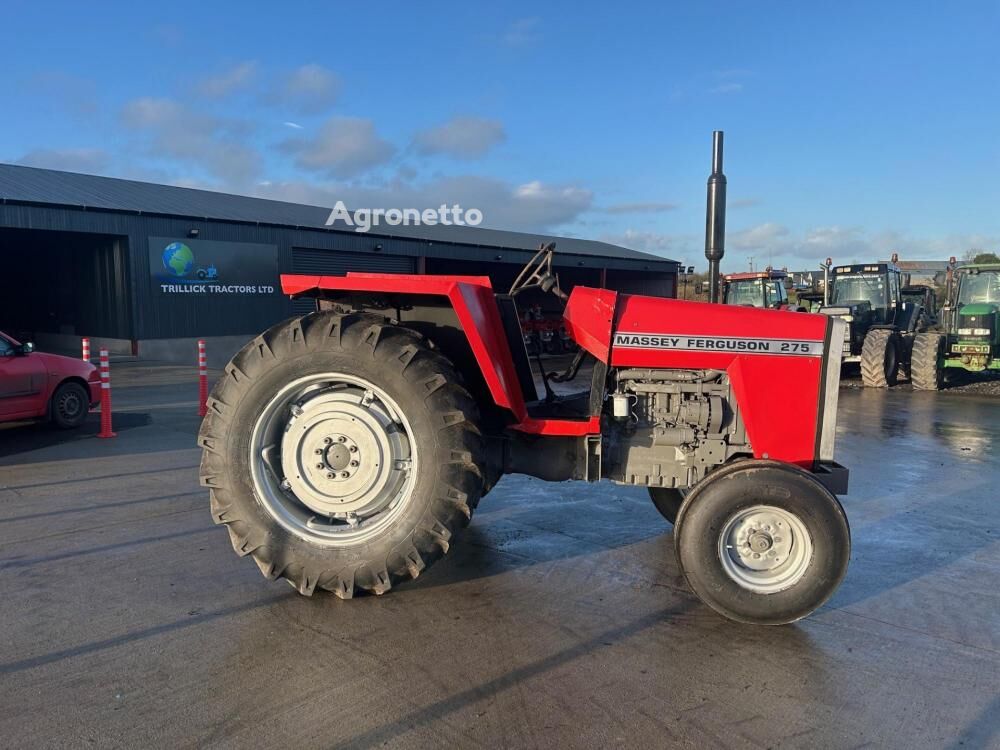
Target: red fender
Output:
[(473, 301)]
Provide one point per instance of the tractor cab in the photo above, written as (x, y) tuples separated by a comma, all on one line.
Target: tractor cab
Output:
[(756, 289), (973, 330)]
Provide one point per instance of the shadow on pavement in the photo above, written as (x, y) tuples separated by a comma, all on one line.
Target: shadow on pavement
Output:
[(24, 437)]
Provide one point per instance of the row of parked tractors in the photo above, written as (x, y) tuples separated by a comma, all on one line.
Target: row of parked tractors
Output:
[(893, 326)]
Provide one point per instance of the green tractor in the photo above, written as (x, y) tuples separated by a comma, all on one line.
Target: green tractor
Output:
[(971, 337), (881, 323)]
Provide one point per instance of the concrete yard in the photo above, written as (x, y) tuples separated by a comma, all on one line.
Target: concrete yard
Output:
[(558, 620)]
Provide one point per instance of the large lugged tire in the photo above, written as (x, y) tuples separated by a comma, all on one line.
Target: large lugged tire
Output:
[(880, 358), (926, 373), (762, 542), (341, 453), (667, 500)]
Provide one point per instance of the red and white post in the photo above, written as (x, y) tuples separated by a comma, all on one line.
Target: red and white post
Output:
[(202, 380), (85, 343), (105, 368)]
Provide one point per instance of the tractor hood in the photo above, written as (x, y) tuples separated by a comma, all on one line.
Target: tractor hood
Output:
[(978, 308), (857, 308)]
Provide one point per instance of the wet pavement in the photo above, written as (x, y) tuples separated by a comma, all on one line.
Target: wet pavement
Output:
[(558, 620)]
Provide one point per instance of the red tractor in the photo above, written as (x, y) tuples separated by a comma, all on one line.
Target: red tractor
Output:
[(758, 289), (346, 449)]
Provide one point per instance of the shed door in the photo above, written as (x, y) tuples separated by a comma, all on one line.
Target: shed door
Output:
[(332, 263)]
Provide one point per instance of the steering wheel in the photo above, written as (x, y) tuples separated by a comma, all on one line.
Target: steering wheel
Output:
[(537, 274)]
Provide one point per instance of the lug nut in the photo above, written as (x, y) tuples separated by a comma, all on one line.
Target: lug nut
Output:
[(318, 451), (319, 466), (331, 475), (344, 474), (327, 441), (354, 463), (341, 439), (353, 449)]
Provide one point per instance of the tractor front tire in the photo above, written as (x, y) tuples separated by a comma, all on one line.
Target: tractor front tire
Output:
[(880, 358), (926, 373), (762, 542), (341, 453), (668, 501)]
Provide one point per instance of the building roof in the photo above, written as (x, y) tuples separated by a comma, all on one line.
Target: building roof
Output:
[(31, 185), (921, 265)]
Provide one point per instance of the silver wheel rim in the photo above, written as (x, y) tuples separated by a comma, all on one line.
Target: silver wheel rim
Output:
[(765, 549), (332, 459)]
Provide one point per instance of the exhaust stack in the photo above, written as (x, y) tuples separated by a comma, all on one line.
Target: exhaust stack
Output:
[(715, 218)]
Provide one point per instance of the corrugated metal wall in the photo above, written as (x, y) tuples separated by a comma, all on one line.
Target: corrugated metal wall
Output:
[(152, 317), (309, 260)]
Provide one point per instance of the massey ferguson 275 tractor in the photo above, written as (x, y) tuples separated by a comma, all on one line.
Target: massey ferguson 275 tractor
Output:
[(345, 450)]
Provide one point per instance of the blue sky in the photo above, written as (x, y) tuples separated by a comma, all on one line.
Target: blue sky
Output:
[(852, 129)]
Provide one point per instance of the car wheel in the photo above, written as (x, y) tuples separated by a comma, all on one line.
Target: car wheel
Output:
[(69, 406)]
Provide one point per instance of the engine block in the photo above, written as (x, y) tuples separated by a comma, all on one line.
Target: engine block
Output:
[(668, 428)]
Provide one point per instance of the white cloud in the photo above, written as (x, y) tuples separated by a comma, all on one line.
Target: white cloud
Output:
[(757, 236), (174, 131), (522, 32), (238, 77), (309, 89), (292, 125), (86, 160), (531, 207), (650, 207), (461, 137), (732, 87), (343, 147)]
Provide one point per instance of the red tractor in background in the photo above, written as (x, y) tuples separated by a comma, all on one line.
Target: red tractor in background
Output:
[(345, 450), (758, 289)]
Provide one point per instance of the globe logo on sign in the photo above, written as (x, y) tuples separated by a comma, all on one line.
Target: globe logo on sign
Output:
[(178, 259)]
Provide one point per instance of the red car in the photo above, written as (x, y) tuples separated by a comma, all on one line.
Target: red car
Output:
[(37, 385)]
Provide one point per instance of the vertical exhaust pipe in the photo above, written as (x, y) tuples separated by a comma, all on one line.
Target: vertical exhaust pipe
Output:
[(715, 218)]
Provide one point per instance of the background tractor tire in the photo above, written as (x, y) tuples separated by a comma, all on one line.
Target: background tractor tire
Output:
[(69, 406), (880, 356), (667, 500), (421, 405), (926, 373), (756, 508)]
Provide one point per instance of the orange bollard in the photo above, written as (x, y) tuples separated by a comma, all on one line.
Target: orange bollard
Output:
[(105, 396), (202, 380), (86, 349)]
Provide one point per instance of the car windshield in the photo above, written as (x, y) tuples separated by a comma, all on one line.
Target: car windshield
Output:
[(745, 292), (859, 287), (979, 287)]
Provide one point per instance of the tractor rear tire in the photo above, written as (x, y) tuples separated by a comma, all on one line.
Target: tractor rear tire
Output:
[(880, 355), (387, 433), (668, 501), (762, 542), (926, 373)]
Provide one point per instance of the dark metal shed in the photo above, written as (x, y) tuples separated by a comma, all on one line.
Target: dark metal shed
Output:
[(87, 255)]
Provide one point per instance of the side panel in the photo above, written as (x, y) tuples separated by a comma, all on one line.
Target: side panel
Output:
[(589, 316), (474, 303), (774, 360)]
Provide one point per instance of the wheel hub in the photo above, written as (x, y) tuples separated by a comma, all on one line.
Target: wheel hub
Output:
[(765, 549), (342, 452)]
